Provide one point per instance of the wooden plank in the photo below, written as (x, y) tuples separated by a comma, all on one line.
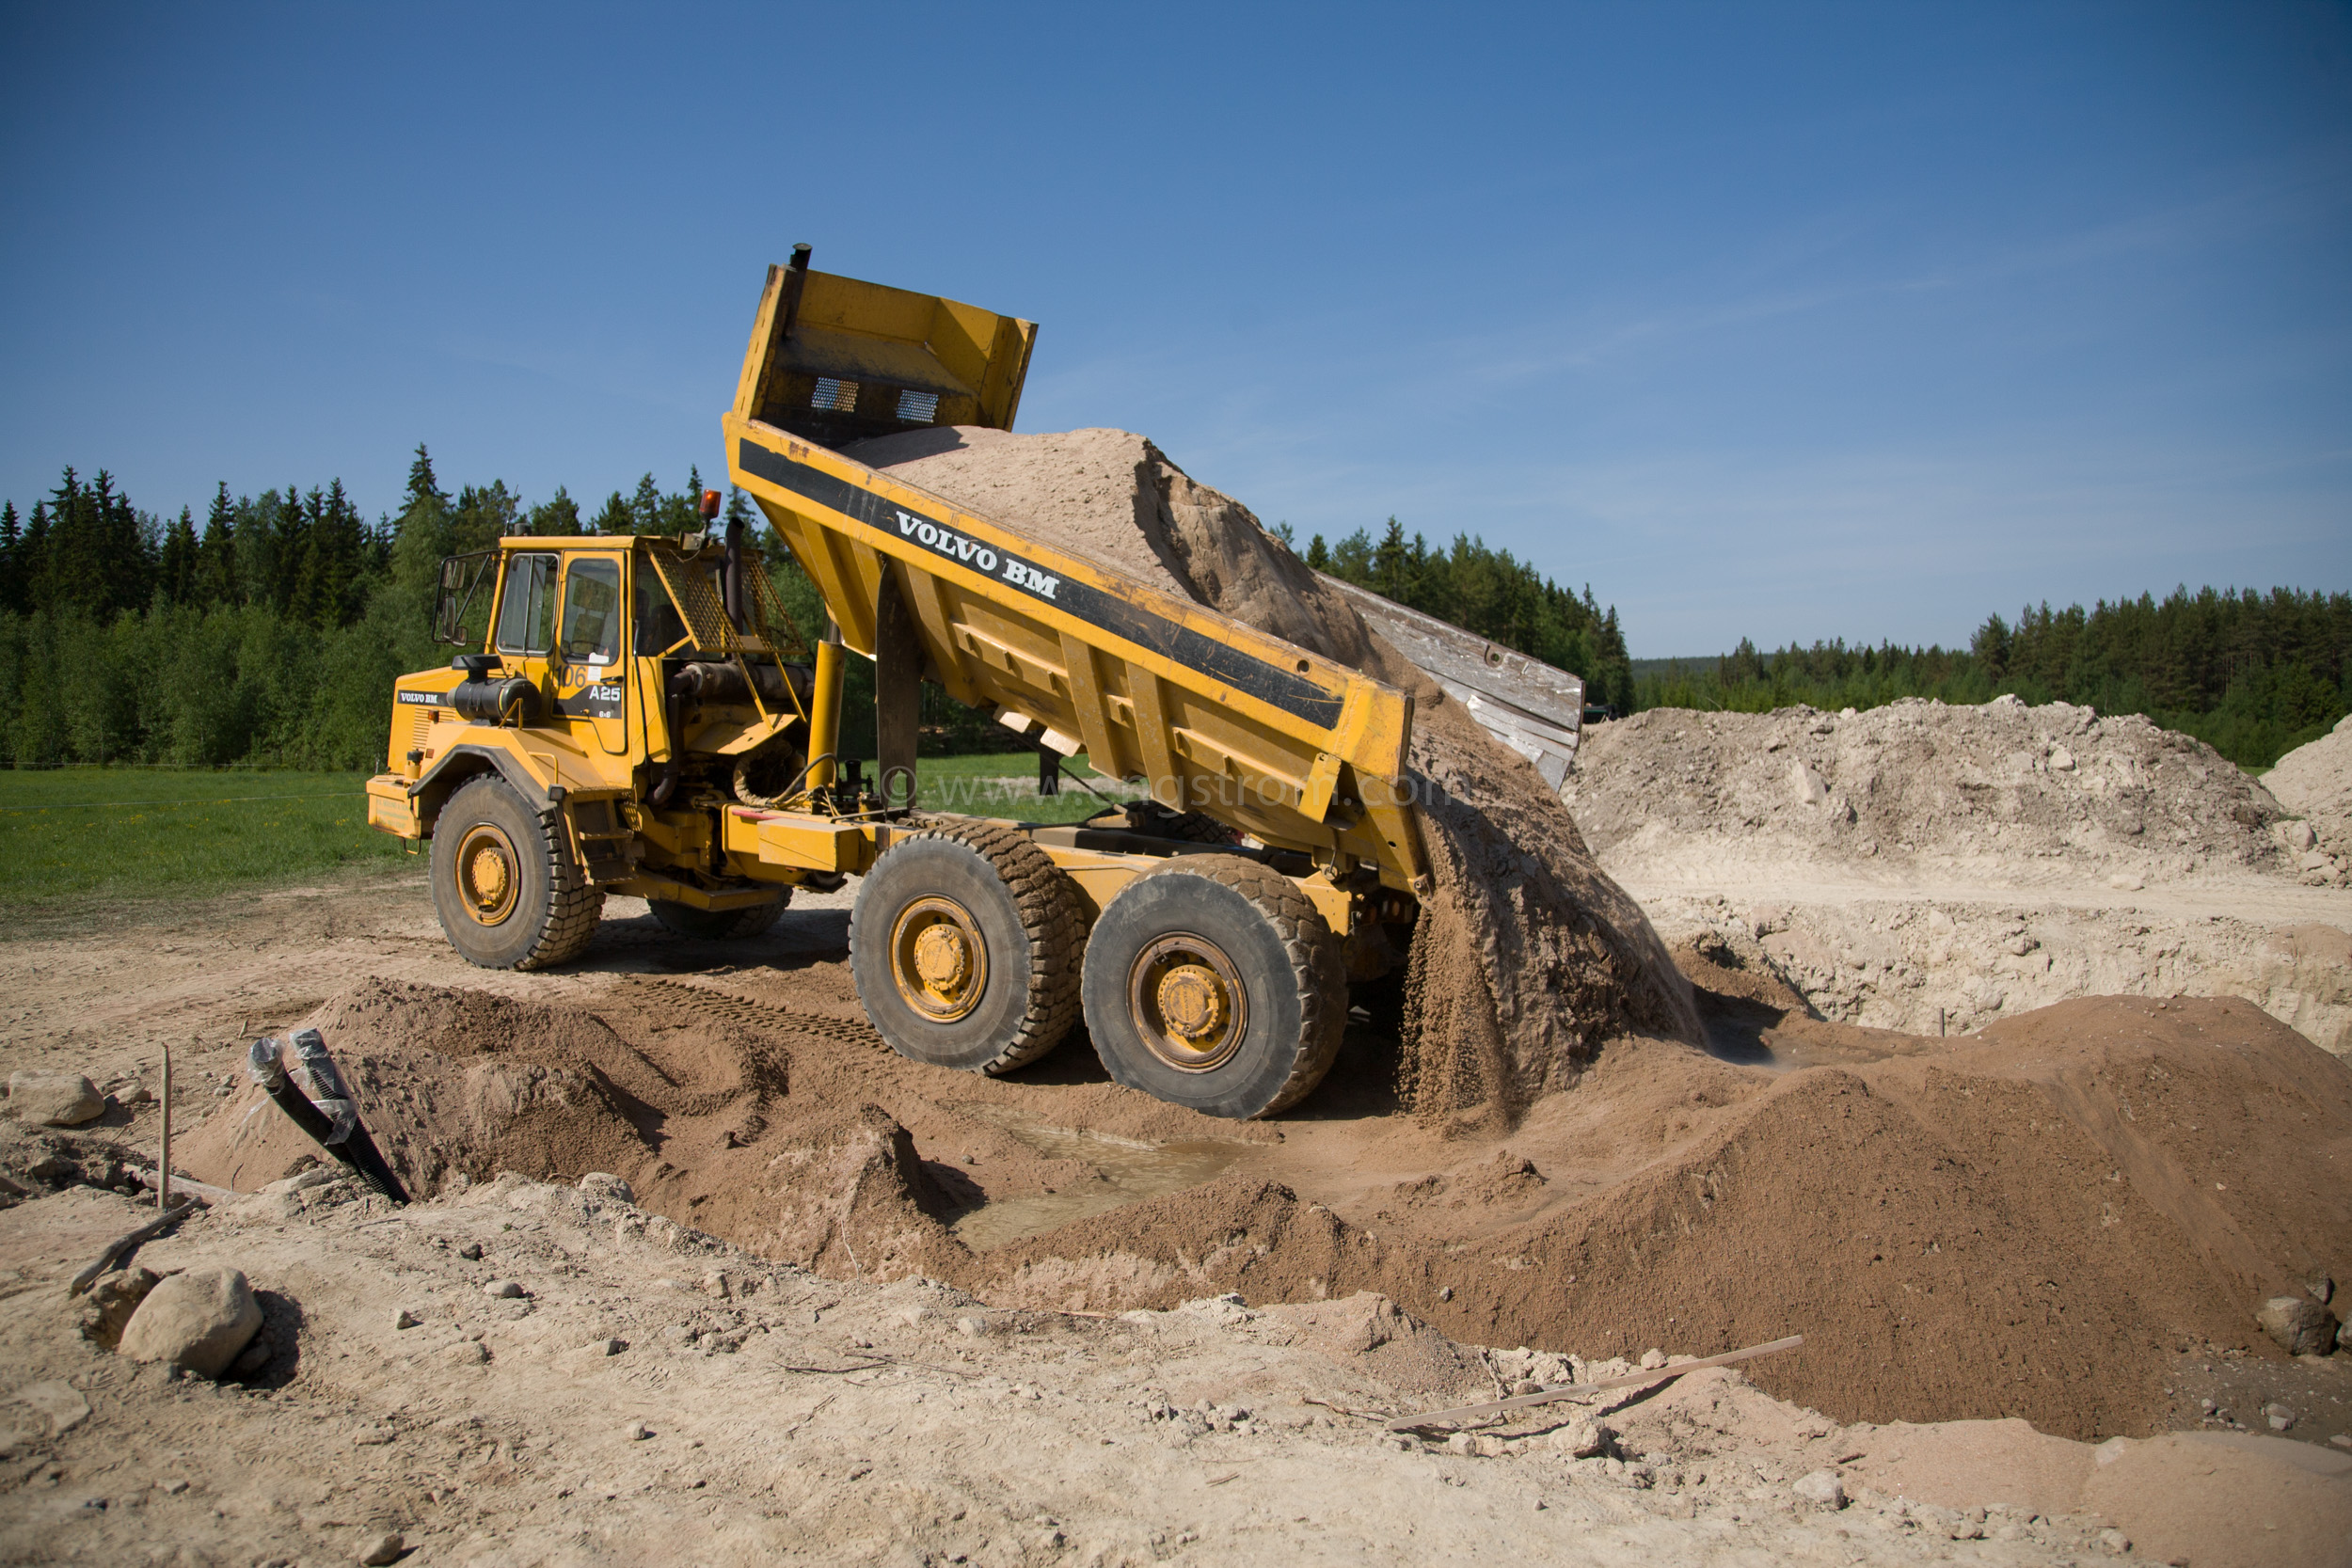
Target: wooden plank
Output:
[(1576, 1390)]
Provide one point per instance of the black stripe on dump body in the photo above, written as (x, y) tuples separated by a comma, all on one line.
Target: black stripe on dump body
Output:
[(1177, 642)]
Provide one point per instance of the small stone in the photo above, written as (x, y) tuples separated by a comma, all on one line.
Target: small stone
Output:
[(372, 1437), (2323, 1289), (636, 1431), (472, 1251), (715, 1284), (503, 1290), (1583, 1439), (197, 1320), (2342, 1439), (53, 1098), (2299, 835), (2114, 1543), (604, 1184), (2298, 1324), (174, 1487), (385, 1548), (606, 1347), (405, 1319), (1445, 1292), (1653, 1359), (1822, 1490), (466, 1353), (971, 1328), (2280, 1417), (256, 1356)]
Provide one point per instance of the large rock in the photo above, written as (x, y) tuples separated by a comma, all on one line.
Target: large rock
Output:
[(2300, 1325), (53, 1098), (198, 1321)]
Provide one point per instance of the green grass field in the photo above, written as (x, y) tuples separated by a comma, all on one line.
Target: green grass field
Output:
[(141, 832), (138, 832)]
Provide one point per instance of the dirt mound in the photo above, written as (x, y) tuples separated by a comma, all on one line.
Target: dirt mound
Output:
[(449, 1084), (2315, 781), (2003, 794), (2027, 1224), (1527, 956)]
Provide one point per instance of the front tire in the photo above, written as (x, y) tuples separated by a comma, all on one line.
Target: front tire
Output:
[(1212, 983), (695, 925), (506, 885), (965, 946)]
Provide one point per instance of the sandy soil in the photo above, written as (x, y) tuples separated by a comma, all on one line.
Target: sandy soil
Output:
[(656, 1398), (1962, 1229)]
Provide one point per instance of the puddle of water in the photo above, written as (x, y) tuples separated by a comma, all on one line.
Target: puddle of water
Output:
[(1131, 1172)]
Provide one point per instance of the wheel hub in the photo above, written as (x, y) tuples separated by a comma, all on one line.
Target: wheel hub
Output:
[(937, 959), (1186, 999), (1191, 1001), (488, 875), (941, 957)]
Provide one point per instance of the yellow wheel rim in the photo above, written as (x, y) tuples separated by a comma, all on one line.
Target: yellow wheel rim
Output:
[(937, 959), (489, 874), (1186, 1002)]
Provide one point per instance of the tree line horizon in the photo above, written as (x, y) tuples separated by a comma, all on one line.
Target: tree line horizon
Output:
[(271, 634)]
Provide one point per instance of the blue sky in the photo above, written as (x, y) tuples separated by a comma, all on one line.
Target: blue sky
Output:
[(1784, 322)]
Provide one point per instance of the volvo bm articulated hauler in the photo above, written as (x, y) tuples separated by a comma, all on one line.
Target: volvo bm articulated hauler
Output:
[(639, 716)]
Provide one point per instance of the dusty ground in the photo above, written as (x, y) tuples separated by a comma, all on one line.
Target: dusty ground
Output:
[(659, 1398), (1673, 1199)]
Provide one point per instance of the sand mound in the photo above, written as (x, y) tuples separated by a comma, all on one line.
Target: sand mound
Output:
[(2004, 793), (2028, 1223), (2315, 781), (1527, 956), (450, 1083)]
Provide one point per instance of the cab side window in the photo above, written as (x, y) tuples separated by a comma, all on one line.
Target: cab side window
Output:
[(592, 611), (659, 624), (527, 607)]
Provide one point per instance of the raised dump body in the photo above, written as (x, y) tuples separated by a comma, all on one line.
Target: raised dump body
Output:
[(626, 716)]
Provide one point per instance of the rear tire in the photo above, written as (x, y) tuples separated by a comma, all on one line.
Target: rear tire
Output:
[(695, 925), (509, 894), (965, 946), (1213, 983)]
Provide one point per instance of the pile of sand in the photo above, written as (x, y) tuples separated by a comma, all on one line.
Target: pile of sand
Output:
[(1527, 956), (2003, 795), (2024, 1224), (2315, 781)]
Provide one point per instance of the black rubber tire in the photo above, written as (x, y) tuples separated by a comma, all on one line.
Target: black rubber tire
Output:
[(556, 908), (687, 921), (1288, 963), (1028, 915)]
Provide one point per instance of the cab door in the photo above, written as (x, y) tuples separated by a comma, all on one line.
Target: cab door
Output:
[(588, 663), (526, 624)]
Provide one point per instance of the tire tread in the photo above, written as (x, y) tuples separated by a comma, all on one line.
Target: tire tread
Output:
[(1317, 969), (1051, 919)]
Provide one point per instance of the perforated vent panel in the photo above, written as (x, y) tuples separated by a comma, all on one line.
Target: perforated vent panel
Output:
[(697, 599)]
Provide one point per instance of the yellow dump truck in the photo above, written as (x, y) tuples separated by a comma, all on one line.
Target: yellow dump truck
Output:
[(639, 716)]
